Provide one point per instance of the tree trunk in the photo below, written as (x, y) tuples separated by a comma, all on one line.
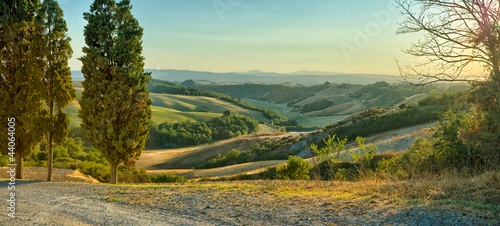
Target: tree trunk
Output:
[(114, 173), (50, 159), (19, 166)]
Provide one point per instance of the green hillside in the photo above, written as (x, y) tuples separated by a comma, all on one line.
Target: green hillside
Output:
[(176, 108), (201, 104)]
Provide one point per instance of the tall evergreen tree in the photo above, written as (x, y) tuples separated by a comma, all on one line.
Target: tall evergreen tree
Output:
[(58, 91), (20, 77), (115, 104)]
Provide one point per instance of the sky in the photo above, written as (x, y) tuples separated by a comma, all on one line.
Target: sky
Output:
[(273, 36)]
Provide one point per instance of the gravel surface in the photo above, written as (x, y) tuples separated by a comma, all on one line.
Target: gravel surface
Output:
[(209, 203)]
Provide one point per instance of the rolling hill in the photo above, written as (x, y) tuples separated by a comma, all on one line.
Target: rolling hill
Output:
[(176, 108)]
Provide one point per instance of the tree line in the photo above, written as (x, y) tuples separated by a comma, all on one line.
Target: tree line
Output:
[(196, 133), (35, 81)]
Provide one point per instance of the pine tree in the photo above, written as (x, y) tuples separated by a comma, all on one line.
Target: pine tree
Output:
[(58, 91), (20, 77), (115, 104)]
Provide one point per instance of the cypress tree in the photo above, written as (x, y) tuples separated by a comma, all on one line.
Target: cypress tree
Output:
[(115, 104), (58, 91), (20, 77)]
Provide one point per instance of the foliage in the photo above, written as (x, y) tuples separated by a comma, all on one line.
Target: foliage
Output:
[(330, 169), (270, 173), (417, 161), (363, 155), (115, 104), (232, 157), (296, 169), (20, 80), (451, 148), (133, 176), (4, 160), (333, 149), (57, 89), (461, 142), (445, 100), (196, 133), (167, 178)]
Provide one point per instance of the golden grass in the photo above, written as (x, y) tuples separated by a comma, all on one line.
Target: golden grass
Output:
[(188, 158), (477, 196), (40, 173), (249, 168)]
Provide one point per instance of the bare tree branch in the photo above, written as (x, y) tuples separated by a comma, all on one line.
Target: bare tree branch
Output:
[(458, 34)]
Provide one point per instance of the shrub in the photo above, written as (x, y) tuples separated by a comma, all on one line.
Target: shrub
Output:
[(418, 160), (334, 170), (270, 173), (167, 178), (98, 171), (132, 175), (4, 160), (363, 155), (295, 169)]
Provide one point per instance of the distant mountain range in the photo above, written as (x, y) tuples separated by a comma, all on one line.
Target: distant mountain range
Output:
[(301, 77)]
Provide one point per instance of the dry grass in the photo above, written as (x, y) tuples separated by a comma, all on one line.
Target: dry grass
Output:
[(249, 168), (40, 173), (477, 196), (188, 158)]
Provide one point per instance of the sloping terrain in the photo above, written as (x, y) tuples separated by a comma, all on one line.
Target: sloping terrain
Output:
[(182, 161), (295, 101), (188, 158), (175, 108), (201, 104)]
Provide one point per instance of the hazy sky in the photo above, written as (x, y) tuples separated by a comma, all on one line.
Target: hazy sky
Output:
[(279, 35)]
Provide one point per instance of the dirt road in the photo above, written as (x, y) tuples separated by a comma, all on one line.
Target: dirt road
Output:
[(61, 203), (223, 203)]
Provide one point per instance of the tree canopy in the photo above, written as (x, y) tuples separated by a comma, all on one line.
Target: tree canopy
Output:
[(115, 104), (20, 77), (57, 89)]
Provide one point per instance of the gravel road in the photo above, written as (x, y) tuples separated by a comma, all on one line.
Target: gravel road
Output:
[(63, 203)]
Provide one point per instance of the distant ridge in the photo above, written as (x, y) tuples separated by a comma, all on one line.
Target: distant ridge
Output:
[(301, 77)]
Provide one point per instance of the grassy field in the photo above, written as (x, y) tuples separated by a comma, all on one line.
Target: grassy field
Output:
[(199, 104), (307, 121)]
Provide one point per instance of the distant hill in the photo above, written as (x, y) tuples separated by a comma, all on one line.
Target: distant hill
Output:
[(271, 77), (300, 77)]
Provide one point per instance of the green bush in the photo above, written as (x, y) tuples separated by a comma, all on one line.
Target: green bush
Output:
[(270, 173), (334, 170), (133, 176), (4, 160), (98, 171), (420, 159), (40, 163), (232, 158), (296, 169), (363, 155), (167, 178)]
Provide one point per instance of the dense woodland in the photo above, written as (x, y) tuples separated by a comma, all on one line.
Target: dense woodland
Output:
[(196, 133)]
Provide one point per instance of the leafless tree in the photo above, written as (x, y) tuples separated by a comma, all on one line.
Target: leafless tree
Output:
[(457, 34)]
